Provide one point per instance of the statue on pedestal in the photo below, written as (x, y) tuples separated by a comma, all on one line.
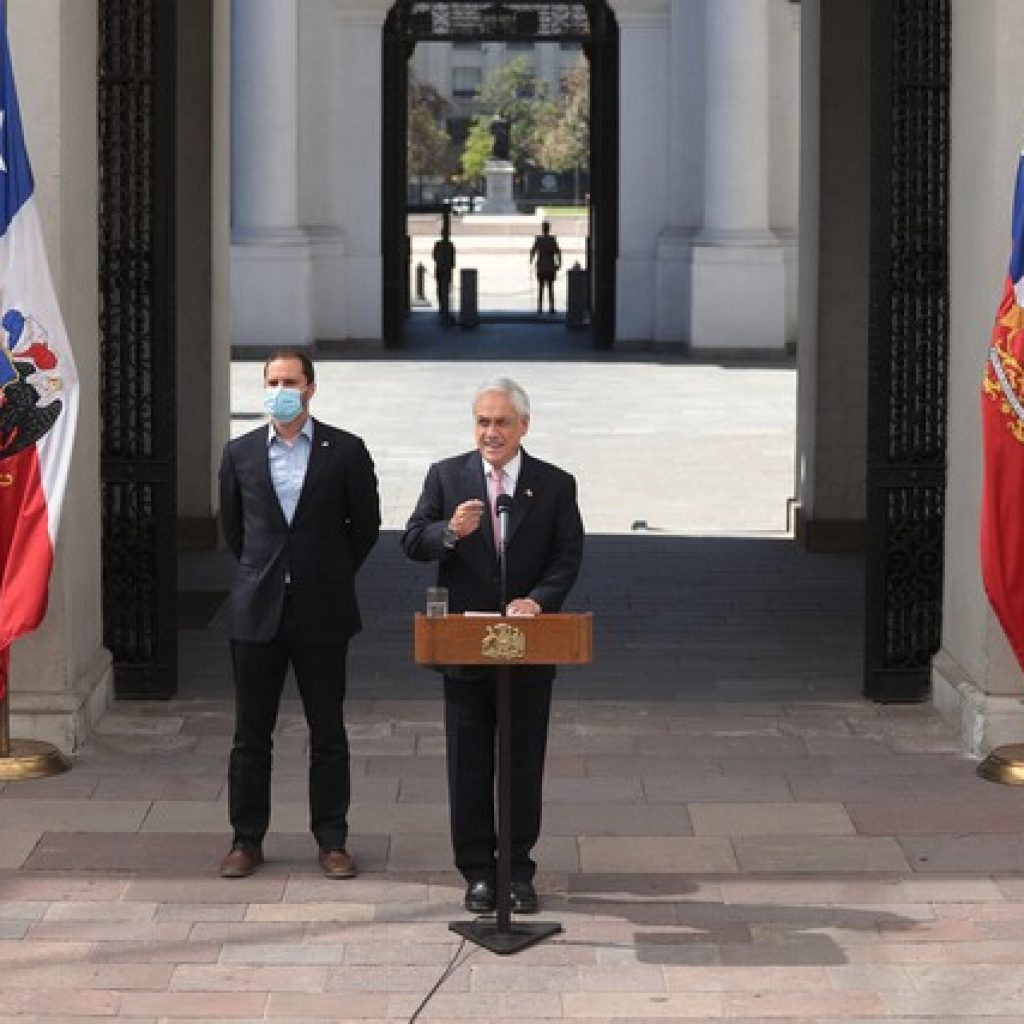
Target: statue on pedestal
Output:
[(501, 131)]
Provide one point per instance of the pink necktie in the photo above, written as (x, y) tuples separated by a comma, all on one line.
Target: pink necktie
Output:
[(495, 477)]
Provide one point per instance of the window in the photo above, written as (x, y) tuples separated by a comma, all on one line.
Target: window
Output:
[(466, 44), (466, 82), (523, 46)]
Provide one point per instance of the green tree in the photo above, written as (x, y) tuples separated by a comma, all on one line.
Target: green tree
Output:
[(563, 140), (430, 152), (515, 92), (477, 150)]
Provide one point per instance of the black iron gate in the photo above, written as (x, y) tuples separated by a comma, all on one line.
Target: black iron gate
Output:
[(588, 22), (137, 412), (397, 45), (602, 50), (908, 344)]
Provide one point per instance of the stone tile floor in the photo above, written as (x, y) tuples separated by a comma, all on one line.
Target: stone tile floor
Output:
[(802, 860)]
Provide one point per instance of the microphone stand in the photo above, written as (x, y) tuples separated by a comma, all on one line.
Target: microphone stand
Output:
[(501, 936), (504, 510)]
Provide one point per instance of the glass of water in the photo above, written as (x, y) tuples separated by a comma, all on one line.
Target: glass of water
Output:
[(437, 602)]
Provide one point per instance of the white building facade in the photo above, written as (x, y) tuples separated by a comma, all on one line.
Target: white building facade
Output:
[(708, 127)]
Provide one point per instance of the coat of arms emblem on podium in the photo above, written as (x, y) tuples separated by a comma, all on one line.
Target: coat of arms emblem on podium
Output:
[(503, 643)]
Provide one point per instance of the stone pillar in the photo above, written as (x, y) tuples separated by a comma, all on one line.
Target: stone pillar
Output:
[(61, 679), (203, 253), (644, 132), (340, 164), (498, 174), (835, 218), (220, 241), (271, 254), (685, 132), (977, 683), (738, 272)]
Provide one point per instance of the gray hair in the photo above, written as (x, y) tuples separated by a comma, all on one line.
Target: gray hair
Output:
[(507, 386)]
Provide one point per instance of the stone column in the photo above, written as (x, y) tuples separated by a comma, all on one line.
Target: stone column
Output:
[(835, 217), (977, 684), (270, 252), (203, 244), (684, 132), (61, 679), (738, 272), (644, 131), (340, 101)]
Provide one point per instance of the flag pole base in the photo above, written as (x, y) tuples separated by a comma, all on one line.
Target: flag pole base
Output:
[(1005, 765), (32, 759)]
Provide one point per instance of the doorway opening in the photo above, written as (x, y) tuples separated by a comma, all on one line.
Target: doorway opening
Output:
[(480, 103)]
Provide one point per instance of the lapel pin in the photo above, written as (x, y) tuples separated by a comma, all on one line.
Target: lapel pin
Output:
[(325, 444), (529, 493)]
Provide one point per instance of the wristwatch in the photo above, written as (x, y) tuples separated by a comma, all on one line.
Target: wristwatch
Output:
[(450, 537)]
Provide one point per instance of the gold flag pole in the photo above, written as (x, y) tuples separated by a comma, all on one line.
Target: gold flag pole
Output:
[(23, 759), (5, 720)]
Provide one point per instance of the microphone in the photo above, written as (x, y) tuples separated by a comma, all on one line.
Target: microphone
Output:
[(503, 509)]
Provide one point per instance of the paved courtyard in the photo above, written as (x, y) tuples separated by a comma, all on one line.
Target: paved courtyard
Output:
[(731, 832), (497, 248)]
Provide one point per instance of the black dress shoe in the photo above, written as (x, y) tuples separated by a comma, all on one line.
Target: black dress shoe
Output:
[(480, 897), (524, 898)]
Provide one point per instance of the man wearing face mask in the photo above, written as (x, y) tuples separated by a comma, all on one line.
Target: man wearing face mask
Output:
[(300, 511)]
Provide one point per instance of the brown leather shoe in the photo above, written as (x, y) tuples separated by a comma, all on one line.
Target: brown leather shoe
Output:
[(241, 862), (337, 864)]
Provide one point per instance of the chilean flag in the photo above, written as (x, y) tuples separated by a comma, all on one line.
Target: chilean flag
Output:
[(38, 387), (1002, 414)]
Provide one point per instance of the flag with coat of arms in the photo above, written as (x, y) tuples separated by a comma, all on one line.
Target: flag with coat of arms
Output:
[(38, 387), (1002, 415)]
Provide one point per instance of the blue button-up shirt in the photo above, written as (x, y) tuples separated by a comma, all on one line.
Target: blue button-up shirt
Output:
[(288, 464)]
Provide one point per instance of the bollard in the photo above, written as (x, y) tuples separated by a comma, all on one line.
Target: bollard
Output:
[(576, 297), (420, 299), (467, 298)]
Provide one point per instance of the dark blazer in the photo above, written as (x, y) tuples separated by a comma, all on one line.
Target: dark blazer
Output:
[(545, 543), (335, 525)]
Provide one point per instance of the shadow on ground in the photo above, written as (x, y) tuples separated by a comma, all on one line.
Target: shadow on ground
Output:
[(676, 618)]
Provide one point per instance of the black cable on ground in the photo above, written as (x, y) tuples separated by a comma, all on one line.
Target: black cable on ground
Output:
[(452, 966)]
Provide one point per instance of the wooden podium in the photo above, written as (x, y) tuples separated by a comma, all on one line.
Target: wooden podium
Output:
[(503, 642)]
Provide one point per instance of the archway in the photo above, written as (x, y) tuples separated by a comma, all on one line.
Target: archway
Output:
[(587, 22)]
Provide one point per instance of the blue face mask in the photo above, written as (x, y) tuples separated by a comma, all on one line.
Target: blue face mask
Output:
[(282, 404)]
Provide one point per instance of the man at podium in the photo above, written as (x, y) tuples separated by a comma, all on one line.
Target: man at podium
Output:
[(455, 523)]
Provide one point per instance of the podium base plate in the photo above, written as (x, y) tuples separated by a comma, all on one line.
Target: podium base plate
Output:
[(32, 759), (517, 937)]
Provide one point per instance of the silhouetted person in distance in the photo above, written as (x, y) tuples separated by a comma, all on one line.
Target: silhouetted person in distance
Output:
[(444, 265), (500, 128), (549, 261)]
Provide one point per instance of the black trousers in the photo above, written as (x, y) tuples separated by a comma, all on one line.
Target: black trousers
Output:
[(444, 291), (259, 671), (471, 736), (546, 281)]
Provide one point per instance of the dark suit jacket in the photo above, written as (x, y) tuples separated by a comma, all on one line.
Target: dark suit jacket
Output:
[(545, 542), (335, 525)]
